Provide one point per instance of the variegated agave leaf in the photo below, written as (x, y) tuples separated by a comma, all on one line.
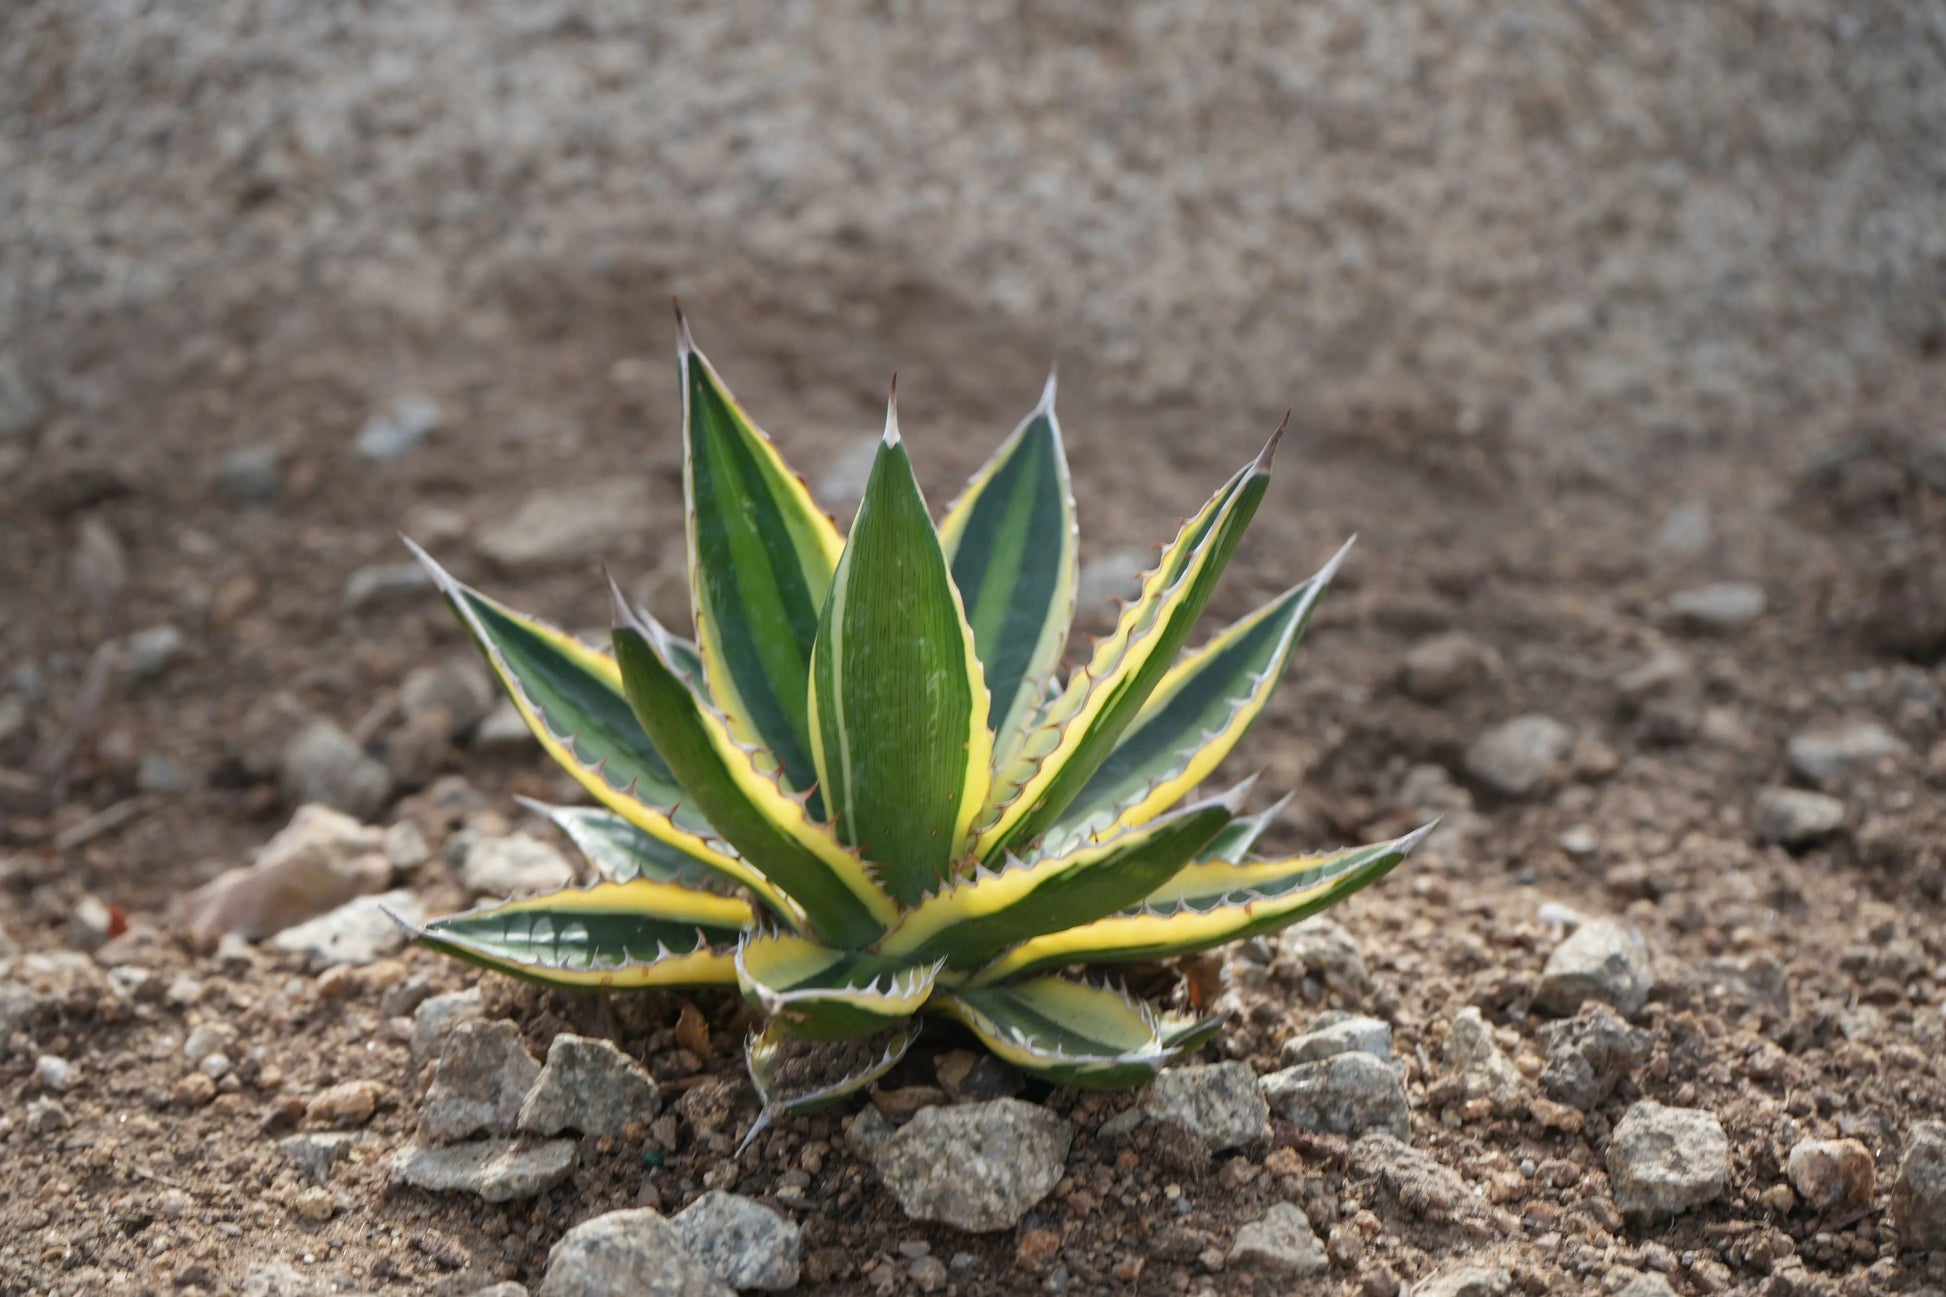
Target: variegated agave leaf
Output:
[(862, 795)]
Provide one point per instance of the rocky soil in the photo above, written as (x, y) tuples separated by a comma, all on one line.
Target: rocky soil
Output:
[(1617, 341)]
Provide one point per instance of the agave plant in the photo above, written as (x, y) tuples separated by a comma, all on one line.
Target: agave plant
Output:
[(865, 789)]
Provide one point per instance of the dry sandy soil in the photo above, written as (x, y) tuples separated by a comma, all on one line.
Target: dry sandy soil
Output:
[(1666, 315)]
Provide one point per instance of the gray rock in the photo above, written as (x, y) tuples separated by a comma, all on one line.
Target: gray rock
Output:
[(251, 474), (841, 484), (560, 524), (507, 1289), (1588, 1054), (634, 1253), (1345, 1094), (590, 1086), (98, 565), (56, 1074), (498, 1170), (1106, 576), (1685, 533), (1465, 1281), (316, 1153), (319, 861), (1823, 756), (1220, 1103), (398, 430), (1322, 949), (1643, 1285), (1485, 1072), (1919, 1193), (1604, 961), (1445, 666), (1831, 1173), (483, 1076), (1796, 817), (514, 866), (322, 764), (743, 1242), (158, 774), (21, 407), (1664, 1161), (1342, 1033), (378, 586), (434, 1019), (503, 730), (357, 932), (149, 652), (1420, 1185), (1520, 757), (976, 1166), (208, 1038), (1281, 1245), (457, 689), (1720, 609)]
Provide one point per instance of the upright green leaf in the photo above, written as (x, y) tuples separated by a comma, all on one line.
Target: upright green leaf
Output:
[(1202, 707), (761, 556), (898, 706), (571, 698), (977, 917), (1011, 540), (769, 828), (1082, 726)]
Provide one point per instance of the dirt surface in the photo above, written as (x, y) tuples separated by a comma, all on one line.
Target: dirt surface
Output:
[(258, 232)]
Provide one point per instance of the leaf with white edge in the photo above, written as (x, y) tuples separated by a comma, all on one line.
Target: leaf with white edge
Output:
[(770, 829), (761, 558), (794, 1075), (824, 994), (1241, 834), (1104, 698), (1199, 711), (572, 699), (1012, 541), (898, 707), (1209, 905), (976, 918), (1069, 1033), (620, 852), (612, 936)]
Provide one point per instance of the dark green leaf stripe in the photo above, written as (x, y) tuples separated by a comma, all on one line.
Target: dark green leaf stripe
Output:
[(762, 555), (1011, 542), (1065, 1032), (702, 759), (619, 851), (969, 923), (1127, 688), (562, 942), (575, 696), (829, 994), (898, 707), (1236, 840), (1199, 712)]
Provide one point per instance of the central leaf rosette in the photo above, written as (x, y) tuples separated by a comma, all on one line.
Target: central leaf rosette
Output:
[(865, 790)]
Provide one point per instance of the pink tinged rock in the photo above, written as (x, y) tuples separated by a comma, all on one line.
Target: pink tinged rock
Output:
[(1832, 1173), (321, 860)]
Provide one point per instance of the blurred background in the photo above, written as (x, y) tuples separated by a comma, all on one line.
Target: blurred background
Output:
[(1617, 331)]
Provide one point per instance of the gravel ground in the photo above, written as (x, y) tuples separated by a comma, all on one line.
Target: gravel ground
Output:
[(1616, 337)]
